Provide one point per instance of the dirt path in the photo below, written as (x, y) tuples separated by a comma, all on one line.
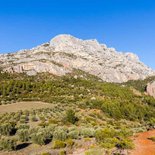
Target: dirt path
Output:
[(144, 146)]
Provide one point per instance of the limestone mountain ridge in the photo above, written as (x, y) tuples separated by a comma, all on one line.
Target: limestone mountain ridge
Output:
[(64, 53)]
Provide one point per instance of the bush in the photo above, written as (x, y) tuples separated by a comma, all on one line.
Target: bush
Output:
[(7, 129), (45, 153), (8, 144), (87, 132), (73, 134), (23, 135), (125, 144), (34, 118), (23, 126), (70, 117), (94, 152), (102, 134), (152, 138), (60, 134), (62, 152), (57, 144), (39, 138), (69, 143)]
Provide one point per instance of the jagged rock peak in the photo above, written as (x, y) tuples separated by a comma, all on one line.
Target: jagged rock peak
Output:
[(69, 43), (64, 53)]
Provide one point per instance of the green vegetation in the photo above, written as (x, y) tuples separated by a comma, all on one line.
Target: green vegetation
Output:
[(152, 138), (57, 144), (70, 116), (95, 151), (8, 143), (140, 84), (83, 108), (109, 138)]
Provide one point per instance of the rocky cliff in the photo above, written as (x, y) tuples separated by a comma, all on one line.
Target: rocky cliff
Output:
[(64, 53), (150, 89)]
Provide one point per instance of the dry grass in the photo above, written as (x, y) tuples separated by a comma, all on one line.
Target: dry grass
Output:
[(24, 106)]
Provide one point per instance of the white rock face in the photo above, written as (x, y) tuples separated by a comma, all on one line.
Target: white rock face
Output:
[(151, 89), (65, 53)]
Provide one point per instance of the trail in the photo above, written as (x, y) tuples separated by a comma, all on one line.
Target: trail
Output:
[(144, 146)]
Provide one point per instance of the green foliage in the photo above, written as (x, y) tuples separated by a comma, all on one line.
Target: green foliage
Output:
[(60, 134), (94, 151), (57, 144), (45, 153), (8, 144), (125, 144), (7, 128), (152, 138), (62, 152), (127, 110), (23, 126), (74, 134), (69, 143), (140, 84), (40, 136), (87, 132), (70, 116), (109, 138), (23, 135), (97, 104)]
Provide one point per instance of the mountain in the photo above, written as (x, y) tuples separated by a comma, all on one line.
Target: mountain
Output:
[(64, 53)]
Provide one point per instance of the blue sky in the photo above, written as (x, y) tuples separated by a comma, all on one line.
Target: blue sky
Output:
[(127, 25)]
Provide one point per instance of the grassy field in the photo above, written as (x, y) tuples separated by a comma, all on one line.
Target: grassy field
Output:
[(27, 105)]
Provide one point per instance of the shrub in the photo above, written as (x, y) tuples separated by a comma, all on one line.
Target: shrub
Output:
[(34, 118), (87, 132), (70, 117), (109, 143), (23, 135), (39, 138), (57, 144), (8, 144), (23, 126), (152, 138), (73, 134), (62, 152), (40, 135), (51, 128), (7, 129), (45, 153), (60, 134), (125, 144), (69, 142), (102, 134), (94, 152)]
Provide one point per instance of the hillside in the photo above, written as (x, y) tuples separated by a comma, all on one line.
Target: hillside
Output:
[(72, 96), (64, 53), (86, 114)]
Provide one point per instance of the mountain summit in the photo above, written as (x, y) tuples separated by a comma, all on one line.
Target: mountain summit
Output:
[(64, 53)]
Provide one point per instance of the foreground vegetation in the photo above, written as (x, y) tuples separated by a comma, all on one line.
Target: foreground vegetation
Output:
[(84, 108)]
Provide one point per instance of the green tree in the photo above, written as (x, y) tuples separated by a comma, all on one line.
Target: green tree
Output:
[(70, 116)]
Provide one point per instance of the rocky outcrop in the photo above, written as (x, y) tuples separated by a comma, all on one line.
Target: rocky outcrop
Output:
[(151, 89), (64, 53)]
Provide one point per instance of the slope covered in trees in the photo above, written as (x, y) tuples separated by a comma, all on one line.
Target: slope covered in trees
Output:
[(83, 107)]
